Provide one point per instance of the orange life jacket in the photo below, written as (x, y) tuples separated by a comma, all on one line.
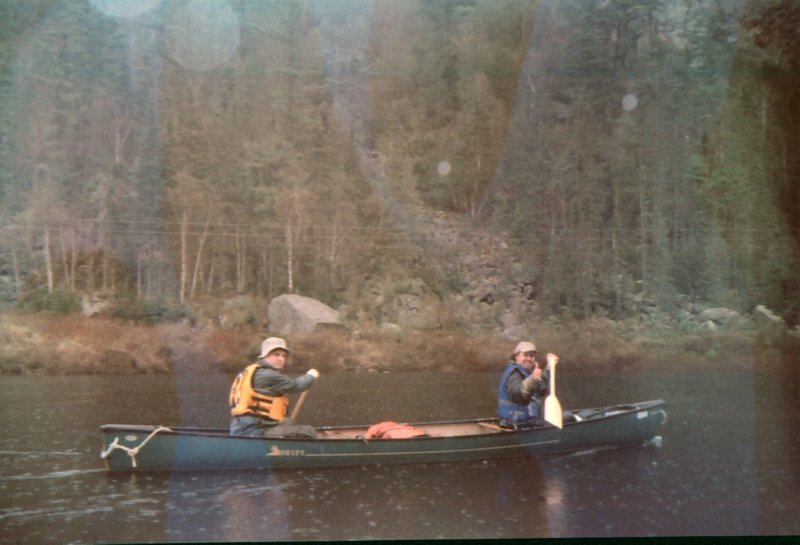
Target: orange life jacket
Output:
[(244, 399), (393, 430)]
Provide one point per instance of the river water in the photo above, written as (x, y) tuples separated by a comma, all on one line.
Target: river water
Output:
[(727, 464)]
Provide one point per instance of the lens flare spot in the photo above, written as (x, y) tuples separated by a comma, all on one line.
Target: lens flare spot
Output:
[(123, 8), (629, 102), (202, 35)]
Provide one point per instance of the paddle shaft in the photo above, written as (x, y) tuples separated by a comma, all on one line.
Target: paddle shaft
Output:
[(299, 404)]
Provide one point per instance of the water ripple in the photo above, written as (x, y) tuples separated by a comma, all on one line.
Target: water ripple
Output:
[(17, 513), (53, 475)]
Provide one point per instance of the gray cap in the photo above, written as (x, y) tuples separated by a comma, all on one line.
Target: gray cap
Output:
[(524, 346), (273, 343)]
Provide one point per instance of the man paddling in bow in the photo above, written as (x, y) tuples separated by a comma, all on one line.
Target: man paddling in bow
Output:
[(258, 397), (523, 386)]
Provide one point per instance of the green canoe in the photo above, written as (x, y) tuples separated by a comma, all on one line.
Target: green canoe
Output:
[(162, 448)]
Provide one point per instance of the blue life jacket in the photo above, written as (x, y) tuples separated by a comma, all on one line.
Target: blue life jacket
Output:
[(516, 414)]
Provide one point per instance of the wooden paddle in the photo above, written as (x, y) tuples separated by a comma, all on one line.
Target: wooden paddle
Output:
[(552, 407), (299, 404), (296, 410)]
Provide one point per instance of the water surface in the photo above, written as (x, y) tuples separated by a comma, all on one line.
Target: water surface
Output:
[(727, 464)]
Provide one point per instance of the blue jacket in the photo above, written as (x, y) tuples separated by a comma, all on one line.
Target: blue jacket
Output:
[(513, 404)]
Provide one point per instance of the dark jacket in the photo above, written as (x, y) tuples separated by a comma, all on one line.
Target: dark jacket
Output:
[(270, 381)]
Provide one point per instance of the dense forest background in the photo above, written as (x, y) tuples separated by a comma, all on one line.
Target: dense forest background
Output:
[(174, 154)]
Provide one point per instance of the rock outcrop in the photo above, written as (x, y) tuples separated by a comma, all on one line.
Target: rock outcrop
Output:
[(291, 313)]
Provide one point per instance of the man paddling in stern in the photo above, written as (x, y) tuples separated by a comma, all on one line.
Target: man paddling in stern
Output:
[(258, 399), (523, 387)]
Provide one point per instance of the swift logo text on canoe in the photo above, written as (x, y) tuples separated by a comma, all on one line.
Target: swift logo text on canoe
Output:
[(275, 451)]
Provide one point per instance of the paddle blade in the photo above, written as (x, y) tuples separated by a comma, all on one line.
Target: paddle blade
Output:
[(552, 411), (552, 407)]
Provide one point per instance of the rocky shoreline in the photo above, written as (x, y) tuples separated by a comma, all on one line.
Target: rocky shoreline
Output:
[(394, 327), (41, 344)]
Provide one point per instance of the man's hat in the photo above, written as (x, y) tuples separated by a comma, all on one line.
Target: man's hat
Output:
[(524, 346), (273, 343)]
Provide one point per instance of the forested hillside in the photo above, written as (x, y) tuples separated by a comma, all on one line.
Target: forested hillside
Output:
[(624, 152)]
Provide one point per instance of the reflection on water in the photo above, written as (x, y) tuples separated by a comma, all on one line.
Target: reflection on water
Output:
[(252, 512), (727, 465), (236, 507), (555, 502), (420, 501), (412, 501)]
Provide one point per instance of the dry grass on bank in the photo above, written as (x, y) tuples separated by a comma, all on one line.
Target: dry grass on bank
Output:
[(398, 351), (41, 344)]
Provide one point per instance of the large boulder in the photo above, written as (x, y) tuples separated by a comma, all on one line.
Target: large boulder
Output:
[(726, 319), (290, 313), (720, 315), (768, 321)]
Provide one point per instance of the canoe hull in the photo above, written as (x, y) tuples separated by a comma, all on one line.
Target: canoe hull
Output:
[(149, 448)]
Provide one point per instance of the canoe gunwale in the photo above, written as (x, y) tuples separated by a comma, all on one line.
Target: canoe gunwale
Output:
[(585, 416)]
